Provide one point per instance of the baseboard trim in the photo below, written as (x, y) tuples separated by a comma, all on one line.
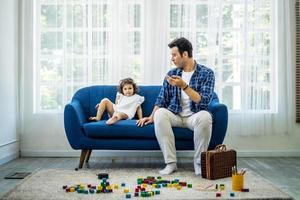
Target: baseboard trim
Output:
[(127, 153), (9, 157)]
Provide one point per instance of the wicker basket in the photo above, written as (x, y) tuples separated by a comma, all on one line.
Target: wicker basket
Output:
[(218, 163)]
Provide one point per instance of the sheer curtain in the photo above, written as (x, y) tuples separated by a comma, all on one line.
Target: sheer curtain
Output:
[(90, 42), (251, 56)]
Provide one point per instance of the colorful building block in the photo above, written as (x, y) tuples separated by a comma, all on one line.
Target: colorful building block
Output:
[(102, 175)]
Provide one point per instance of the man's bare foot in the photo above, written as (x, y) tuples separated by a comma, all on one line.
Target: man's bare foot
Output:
[(112, 120), (94, 119)]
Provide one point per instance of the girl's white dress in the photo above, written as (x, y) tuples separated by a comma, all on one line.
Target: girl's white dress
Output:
[(128, 105)]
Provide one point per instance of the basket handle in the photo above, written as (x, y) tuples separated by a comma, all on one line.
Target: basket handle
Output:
[(221, 147)]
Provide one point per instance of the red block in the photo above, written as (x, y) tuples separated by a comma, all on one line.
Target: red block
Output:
[(218, 194)]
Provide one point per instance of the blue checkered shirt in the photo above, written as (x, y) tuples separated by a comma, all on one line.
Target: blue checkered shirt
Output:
[(202, 81)]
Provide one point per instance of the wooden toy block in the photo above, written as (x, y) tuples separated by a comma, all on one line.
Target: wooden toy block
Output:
[(126, 190), (245, 190), (190, 185), (64, 187), (102, 175), (182, 183), (157, 192), (116, 186), (178, 187), (232, 194), (128, 196), (123, 184), (91, 191), (72, 189), (218, 194)]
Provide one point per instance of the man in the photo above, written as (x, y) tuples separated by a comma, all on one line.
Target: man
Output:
[(182, 102)]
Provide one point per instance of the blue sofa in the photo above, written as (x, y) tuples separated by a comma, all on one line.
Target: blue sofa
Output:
[(126, 135)]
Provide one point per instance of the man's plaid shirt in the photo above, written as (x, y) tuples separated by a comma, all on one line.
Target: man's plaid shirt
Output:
[(202, 81)]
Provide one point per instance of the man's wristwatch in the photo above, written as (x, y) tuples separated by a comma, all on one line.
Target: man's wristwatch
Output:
[(185, 87)]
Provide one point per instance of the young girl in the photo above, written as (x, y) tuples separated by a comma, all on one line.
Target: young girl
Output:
[(127, 103)]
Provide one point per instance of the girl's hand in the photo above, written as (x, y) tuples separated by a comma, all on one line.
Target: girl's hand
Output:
[(97, 106), (144, 121)]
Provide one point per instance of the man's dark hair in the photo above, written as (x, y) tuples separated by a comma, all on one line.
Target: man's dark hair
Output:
[(183, 45), (129, 81)]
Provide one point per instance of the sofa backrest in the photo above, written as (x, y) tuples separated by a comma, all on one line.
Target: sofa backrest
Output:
[(90, 96)]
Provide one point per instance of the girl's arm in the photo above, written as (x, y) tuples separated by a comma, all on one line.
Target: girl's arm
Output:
[(139, 112), (117, 99)]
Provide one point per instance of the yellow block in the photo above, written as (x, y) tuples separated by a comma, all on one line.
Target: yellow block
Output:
[(99, 187), (116, 186), (82, 186), (154, 185), (72, 189), (178, 187), (126, 190)]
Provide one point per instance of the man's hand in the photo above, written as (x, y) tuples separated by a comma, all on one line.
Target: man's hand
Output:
[(176, 81), (144, 121)]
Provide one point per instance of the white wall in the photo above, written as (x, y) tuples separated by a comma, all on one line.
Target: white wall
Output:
[(43, 133), (9, 137)]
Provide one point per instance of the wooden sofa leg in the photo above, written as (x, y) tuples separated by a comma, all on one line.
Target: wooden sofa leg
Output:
[(82, 158), (88, 155)]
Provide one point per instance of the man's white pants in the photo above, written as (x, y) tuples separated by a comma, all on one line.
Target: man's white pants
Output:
[(200, 123)]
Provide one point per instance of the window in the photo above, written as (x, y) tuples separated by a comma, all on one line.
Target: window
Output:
[(88, 42), (234, 37), (77, 41)]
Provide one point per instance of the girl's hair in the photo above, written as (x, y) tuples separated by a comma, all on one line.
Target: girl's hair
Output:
[(127, 81)]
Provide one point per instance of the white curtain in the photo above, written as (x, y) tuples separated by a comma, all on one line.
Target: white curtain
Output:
[(248, 44), (281, 119), (261, 58)]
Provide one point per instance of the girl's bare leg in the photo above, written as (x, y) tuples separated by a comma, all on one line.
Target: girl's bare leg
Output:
[(105, 104), (116, 117)]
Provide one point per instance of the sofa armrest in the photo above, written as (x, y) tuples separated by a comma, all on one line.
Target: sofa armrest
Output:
[(74, 118), (220, 123)]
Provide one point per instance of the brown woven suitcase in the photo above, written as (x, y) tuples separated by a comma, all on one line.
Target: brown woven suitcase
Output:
[(217, 163)]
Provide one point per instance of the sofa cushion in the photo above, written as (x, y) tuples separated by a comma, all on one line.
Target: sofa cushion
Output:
[(129, 129)]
